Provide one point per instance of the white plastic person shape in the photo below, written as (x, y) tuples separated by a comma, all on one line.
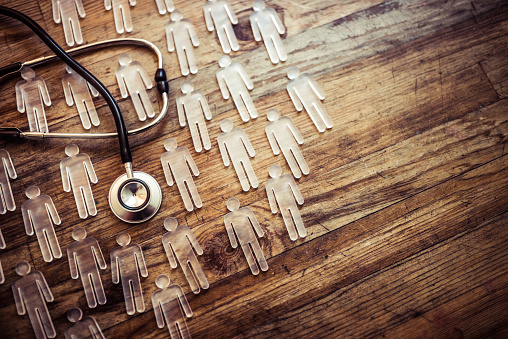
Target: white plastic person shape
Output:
[(84, 255), (266, 24), (233, 79), (177, 160), (31, 96), (31, 292), (220, 14), (66, 11), (282, 190), (134, 81), (240, 222), (234, 141), (305, 92), (127, 261), (192, 104), (77, 172), (283, 135), (82, 328), (165, 6), (39, 214), (181, 243), (77, 90), (168, 303), (122, 13), (185, 39), (6, 171)]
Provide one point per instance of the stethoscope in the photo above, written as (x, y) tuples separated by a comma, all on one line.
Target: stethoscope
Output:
[(135, 196)]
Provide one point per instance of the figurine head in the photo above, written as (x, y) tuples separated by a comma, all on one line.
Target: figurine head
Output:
[(176, 15), (162, 281), (170, 224), (32, 192), (71, 150), (74, 314), (124, 59), (22, 268), (224, 61), (78, 234), (275, 171), (123, 239), (27, 73), (226, 125), (170, 144), (273, 114), (293, 72), (233, 204), (258, 5), (187, 87)]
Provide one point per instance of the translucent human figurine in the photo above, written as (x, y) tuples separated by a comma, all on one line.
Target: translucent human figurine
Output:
[(185, 39), (305, 92), (84, 255), (283, 135), (82, 328), (234, 80), (219, 13), (165, 6), (122, 14), (7, 171), (39, 215), (77, 90), (168, 303), (31, 292), (283, 191), (77, 172), (266, 24), (127, 261), (31, 96), (2, 277), (241, 222), (66, 11), (133, 80), (2, 246), (181, 243), (192, 104), (234, 141), (176, 161)]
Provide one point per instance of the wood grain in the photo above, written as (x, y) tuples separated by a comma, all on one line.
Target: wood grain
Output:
[(405, 204)]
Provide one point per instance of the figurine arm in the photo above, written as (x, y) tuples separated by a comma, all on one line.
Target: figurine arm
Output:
[(27, 220), (245, 77), (272, 140), (181, 111), (184, 302), (121, 84), (231, 14), (167, 171), (96, 330), (295, 98), (296, 190), (248, 144), (95, 93), (205, 107), (132, 2), (19, 97), (141, 262), (157, 309), (169, 38), (222, 85), (50, 206), (43, 285), (44, 93), (144, 76), (255, 223), (192, 164), (316, 88), (114, 267), (80, 8), (223, 151), (255, 28), (107, 4), (90, 170), (56, 11), (194, 242), (277, 22), (67, 92), (98, 255), (65, 177), (73, 265), (271, 198), (169, 252), (208, 18), (193, 35), (295, 131), (231, 234), (18, 299)]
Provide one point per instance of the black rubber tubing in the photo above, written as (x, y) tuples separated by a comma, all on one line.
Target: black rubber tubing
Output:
[(125, 151)]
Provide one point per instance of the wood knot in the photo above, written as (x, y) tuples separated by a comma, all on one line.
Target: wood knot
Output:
[(220, 257)]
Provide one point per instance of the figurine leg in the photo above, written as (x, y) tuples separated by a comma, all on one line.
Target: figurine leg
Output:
[(250, 259), (293, 165), (69, 38), (182, 188), (323, 114), (258, 252), (78, 37), (272, 52), (242, 109), (251, 174), (87, 287), (127, 18), (194, 193), (279, 46), (99, 289), (147, 104), (198, 272), (297, 153), (315, 117), (7, 197), (139, 107), (223, 39), (204, 135), (53, 243), (232, 37), (138, 295), (117, 13), (249, 104), (41, 119), (195, 137), (298, 221), (41, 322), (92, 112), (80, 204), (288, 221), (189, 274), (241, 175), (42, 239), (90, 202), (128, 297), (2, 206), (85, 120), (182, 60), (191, 60)]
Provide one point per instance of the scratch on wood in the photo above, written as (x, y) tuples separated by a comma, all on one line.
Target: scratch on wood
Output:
[(323, 226), (380, 175), (416, 85)]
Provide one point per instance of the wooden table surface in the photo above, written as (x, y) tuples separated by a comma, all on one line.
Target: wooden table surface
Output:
[(406, 203)]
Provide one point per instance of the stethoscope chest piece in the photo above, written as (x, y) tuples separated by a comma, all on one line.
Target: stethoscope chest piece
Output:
[(135, 199)]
